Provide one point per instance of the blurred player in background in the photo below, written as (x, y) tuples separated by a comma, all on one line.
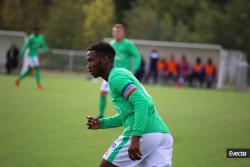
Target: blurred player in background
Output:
[(141, 71), (183, 71), (126, 53), (197, 73), (34, 42), (146, 139), (154, 57), (162, 70), (210, 73), (171, 70)]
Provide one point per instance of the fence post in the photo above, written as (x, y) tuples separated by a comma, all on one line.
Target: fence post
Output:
[(71, 61), (241, 76), (222, 69)]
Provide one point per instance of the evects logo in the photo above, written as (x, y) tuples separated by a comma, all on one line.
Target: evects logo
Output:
[(238, 153)]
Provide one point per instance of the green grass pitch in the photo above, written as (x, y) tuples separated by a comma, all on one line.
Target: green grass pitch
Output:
[(48, 128)]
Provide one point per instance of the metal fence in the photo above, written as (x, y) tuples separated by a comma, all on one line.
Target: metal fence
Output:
[(64, 60), (241, 80)]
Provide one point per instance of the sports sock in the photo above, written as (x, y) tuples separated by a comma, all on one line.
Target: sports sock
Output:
[(23, 75), (38, 75)]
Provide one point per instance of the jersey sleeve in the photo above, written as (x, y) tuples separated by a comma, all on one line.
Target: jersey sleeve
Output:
[(138, 100), (111, 122), (136, 56), (44, 45), (25, 46), (123, 86)]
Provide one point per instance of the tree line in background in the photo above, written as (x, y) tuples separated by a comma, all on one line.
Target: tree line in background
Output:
[(74, 24)]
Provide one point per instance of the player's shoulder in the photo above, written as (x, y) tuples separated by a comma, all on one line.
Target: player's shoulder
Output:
[(128, 41), (118, 73), (40, 36), (31, 36), (117, 70)]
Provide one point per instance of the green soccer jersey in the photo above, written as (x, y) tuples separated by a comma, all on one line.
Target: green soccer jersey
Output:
[(136, 110), (33, 43), (126, 51)]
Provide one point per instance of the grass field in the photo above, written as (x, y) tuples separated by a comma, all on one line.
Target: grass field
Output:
[(47, 129)]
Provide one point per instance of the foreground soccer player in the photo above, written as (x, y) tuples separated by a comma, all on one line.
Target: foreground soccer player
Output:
[(34, 42), (146, 140)]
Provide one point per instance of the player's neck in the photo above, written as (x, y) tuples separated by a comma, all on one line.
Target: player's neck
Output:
[(118, 39), (107, 72)]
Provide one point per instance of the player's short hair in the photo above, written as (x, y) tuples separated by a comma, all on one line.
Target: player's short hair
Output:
[(118, 25), (103, 49)]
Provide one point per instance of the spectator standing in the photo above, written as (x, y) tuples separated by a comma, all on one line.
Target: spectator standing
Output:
[(154, 56), (171, 70), (11, 58), (210, 73), (162, 70), (141, 71), (197, 73), (183, 71)]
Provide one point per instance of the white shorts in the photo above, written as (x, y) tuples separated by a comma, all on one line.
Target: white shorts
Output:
[(156, 149), (33, 61), (105, 86)]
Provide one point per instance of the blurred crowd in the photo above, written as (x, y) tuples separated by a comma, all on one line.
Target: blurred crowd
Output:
[(179, 73)]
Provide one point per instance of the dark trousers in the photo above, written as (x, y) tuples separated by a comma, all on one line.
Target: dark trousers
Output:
[(209, 79), (196, 76), (154, 73)]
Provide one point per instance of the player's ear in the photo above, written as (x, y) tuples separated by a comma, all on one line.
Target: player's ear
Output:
[(105, 59)]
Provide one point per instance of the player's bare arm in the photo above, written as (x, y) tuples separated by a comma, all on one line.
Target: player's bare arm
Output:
[(134, 148)]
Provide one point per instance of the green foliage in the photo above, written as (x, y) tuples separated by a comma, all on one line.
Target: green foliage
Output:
[(143, 28), (160, 20), (23, 15), (204, 24), (64, 26), (1, 14), (120, 7), (222, 22), (227, 25), (76, 24), (99, 19), (238, 26)]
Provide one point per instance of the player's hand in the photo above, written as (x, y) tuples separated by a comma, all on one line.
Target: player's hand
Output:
[(134, 152), (93, 123)]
